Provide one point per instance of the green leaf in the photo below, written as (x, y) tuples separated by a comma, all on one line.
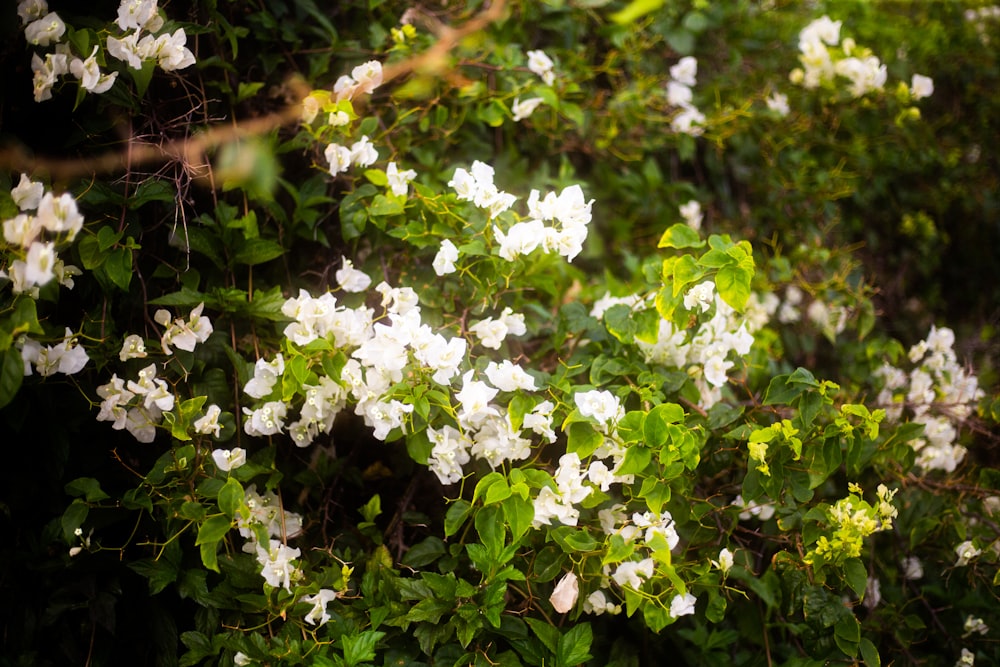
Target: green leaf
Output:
[(456, 515), (257, 251), (425, 552), (231, 497), (88, 487), (733, 283), (636, 460), (73, 518), (686, 271), (574, 647), (847, 634), (11, 375), (142, 77), (360, 648), (549, 635), (519, 513), (636, 10), (490, 527), (856, 576), (583, 439), (152, 189), (680, 235), (869, 653), (118, 267), (383, 206)]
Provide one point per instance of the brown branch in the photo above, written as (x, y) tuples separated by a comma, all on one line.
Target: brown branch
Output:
[(192, 150)]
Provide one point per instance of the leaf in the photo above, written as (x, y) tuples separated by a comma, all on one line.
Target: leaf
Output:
[(383, 206), (425, 552), (456, 515), (88, 487), (257, 251), (583, 439), (149, 190), (491, 530), (856, 576), (574, 646), (636, 10), (361, 647), (686, 271), (231, 497), (519, 513), (680, 235), (869, 653), (118, 267), (636, 460), (733, 283), (11, 375), (546, 633), (847, 634)]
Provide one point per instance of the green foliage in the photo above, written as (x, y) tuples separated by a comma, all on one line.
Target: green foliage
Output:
[(388, 369)]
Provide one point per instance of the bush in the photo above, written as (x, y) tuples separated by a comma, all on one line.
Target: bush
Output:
[(510, 333)]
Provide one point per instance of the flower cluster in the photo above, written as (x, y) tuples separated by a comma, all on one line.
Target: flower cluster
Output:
[(820, 65), (706, 352), (44, 28), (679, 94), (852, 520), (138, 405), (938, 393), (542, 65), (45, 222)]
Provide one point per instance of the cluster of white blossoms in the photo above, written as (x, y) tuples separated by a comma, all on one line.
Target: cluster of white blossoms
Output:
[(822, 64), (382, 352), (364, 79), (361, 153), (45, 28), (540, 64), (683, 77), (830, 319), (937, 392), (138, 405), (707, 352), (45, 221), (555, 223), (30, 261)]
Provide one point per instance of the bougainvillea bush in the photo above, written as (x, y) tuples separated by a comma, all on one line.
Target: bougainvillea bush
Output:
[(551, 333)]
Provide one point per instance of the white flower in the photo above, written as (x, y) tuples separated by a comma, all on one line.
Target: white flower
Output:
[(127, 49), (30, 10), (508, 376), (351, 279), (691, 212), (399, 181), (965, 552), (688, 121), (725, 561), (682, 605), (822, 29), (276, 564), (229, 459), (27, 193), (133, 347), (715, 370), (630, 574), (241, 659), (39, 263), (524, 108), (597, 604), (968, 659), (921, 86), (209, 424), (46, 30), (679, 94), (701, 296), (318, 615), (363, 153), (973, 625), (565, 593), (541, 64), (778, 102), (46, 73), (603, 406), (90, 75), (171, 52), (339, 158), (367, 76), (685, 71), (444, 261), (60, 214), (913, 569), (139, 14)]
